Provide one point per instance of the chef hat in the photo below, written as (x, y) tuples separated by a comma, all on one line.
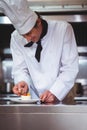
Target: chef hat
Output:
[(19, 13)]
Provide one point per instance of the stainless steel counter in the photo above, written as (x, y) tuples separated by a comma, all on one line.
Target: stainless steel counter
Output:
[(43, 117)]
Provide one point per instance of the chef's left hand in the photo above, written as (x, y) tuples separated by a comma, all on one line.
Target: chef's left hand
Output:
[(49, 98)]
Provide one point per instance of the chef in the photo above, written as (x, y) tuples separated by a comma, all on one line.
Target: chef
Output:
[(45, 56)]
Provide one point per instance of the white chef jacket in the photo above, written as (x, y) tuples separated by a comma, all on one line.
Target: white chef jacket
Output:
[(58, 66)]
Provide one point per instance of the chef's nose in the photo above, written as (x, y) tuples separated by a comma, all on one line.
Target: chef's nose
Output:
[(28, 38)]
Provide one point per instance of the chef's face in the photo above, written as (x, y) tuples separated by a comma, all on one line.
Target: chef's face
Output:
[(35, 33)]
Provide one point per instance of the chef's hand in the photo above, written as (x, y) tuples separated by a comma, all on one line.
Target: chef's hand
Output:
[(20, 88), (48, 98)]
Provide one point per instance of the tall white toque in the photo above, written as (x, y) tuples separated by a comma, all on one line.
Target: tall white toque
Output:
[(19, 13)]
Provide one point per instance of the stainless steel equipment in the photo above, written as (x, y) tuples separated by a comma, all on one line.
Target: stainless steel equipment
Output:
[(7, 81), (43, 117)]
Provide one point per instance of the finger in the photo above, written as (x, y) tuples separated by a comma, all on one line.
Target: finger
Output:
[(15, 90), (22, 89), (52, 99), (26, 88), (49, 98), (44, 96)]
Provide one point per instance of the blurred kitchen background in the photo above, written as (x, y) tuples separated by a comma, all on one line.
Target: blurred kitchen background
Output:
[(72, 11)]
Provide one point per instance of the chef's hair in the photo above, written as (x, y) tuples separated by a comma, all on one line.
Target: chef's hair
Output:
[(39, 16)]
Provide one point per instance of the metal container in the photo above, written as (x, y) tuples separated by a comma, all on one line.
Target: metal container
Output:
[(6, 84)]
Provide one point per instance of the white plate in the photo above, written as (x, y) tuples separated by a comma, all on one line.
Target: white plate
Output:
[(25, 101), (80, 98)]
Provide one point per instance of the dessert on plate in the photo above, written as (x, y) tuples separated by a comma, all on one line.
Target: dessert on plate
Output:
[(26, 96)]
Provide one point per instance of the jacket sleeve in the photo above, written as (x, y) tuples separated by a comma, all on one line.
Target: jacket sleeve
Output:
[(19, 69), (69, 66)]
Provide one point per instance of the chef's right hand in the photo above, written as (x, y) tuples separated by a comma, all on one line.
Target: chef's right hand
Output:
[(20, 88)]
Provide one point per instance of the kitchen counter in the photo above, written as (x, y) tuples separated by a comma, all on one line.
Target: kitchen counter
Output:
[(43, 117)]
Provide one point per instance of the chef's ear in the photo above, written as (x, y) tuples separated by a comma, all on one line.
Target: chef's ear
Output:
[(38, 22)]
